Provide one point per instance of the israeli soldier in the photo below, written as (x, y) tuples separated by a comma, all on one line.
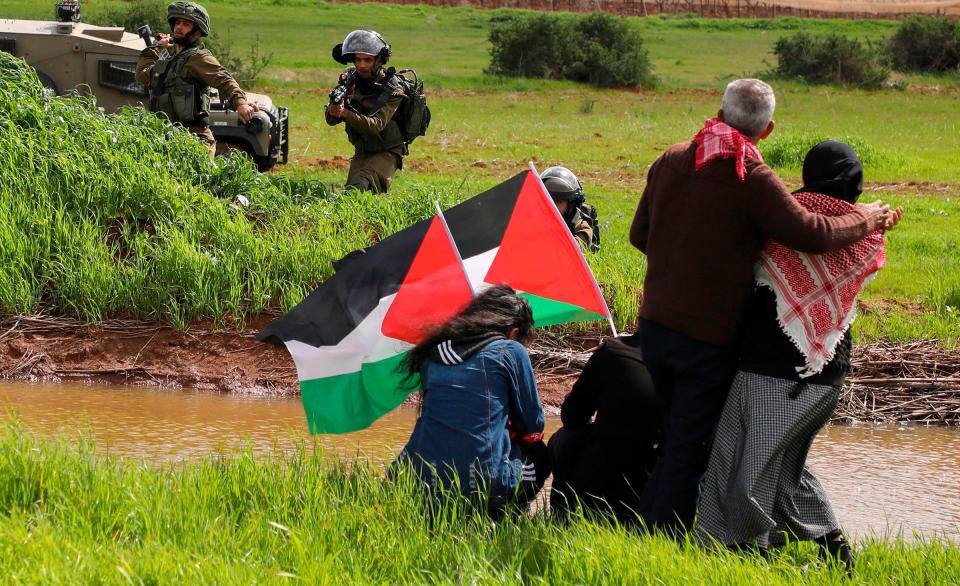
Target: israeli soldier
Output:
[(179, 82), (567, 193), (368, 111)]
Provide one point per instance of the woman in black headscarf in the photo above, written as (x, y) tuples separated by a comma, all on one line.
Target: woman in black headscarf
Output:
[(758, 491)]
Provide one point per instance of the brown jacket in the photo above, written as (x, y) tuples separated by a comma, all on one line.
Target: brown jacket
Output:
[(702, 231), (203, 67)]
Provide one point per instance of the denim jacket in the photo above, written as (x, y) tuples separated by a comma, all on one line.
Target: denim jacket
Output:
[(461, 434)]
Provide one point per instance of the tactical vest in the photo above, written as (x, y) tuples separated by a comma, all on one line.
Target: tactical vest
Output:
[(364, 97), (183, 101), (585, 214)]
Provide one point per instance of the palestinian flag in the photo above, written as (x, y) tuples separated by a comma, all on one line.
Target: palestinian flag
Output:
[(348, 336)]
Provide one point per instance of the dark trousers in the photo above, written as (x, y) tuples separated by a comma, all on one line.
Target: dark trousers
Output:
[(537, 465), (691, 379), (603, 475)]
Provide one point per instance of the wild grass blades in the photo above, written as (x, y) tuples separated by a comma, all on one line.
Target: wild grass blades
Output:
[(126, 215), (786, 150), (485, 129), (74, 513)]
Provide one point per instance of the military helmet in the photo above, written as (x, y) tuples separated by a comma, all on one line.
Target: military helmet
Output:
[(362, 41), (563, 185), (189, 11)]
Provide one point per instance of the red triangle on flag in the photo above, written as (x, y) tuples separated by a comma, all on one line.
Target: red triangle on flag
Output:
[(538, 255), (434, 289)]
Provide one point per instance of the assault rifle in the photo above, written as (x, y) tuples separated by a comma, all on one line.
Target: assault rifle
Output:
[(340, 91)]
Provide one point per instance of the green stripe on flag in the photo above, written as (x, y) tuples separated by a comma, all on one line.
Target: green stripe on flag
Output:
[(353, 401), (547, 312)]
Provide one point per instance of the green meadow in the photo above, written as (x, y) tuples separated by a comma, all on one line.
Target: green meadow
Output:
[(212, 257), (122, 216), (75, 514)]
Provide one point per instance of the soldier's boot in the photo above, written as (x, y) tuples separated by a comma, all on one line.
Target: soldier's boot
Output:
[(359, 183)]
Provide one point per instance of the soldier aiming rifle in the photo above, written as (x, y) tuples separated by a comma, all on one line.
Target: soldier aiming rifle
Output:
[(366, 99)]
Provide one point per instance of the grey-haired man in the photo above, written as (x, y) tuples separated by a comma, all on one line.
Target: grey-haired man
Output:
[(708, 206)]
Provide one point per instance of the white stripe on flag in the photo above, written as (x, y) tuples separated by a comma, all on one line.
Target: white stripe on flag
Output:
[(477, 267), (364, 344)]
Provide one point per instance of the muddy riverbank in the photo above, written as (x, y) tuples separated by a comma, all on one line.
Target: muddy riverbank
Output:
[(916, 382), (58, 350)]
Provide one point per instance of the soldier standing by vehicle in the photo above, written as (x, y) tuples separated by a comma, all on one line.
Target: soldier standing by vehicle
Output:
[(179, 83), (366, 100)]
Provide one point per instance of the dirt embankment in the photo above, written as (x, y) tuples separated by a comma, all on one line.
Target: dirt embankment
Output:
[(718, 8), (48, 349), (917, 381)]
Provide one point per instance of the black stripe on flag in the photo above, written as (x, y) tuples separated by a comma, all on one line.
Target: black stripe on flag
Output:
[(479, 223), (333, 310)]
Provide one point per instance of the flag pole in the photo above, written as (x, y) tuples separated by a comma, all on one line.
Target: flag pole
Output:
[(573, 240), (453, 244)]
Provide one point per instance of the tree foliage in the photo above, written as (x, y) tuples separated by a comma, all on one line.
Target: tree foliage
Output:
[(830, 58), (595, 48), (925, 43)]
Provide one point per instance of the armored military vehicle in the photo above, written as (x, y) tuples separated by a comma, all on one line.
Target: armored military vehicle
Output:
[(72, 56)]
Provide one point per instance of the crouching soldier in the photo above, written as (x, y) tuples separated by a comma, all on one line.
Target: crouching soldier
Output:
[(580, 217), (179, 82), (366, 100)]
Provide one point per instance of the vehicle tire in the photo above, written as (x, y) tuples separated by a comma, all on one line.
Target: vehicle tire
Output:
[(264, 164), (224, 147), (47, 82)]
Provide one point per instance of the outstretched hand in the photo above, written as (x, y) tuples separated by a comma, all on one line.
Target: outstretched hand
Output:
[(894, 218), (878, 213)]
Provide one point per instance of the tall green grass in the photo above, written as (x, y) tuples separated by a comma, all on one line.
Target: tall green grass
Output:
[(71, 513), (126, 215), (198, 252)]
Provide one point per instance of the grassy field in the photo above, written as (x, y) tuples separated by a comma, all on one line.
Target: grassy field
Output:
[(73, 514), (484, 130)]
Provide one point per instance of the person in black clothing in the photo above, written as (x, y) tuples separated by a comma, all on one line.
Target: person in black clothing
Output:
[(603, 464), (758, 491)]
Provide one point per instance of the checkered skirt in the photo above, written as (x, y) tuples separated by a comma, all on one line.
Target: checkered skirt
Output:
[(757, 488)]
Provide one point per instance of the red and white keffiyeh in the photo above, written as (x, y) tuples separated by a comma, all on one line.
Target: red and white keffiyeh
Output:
[(816, 293), (719, 140)]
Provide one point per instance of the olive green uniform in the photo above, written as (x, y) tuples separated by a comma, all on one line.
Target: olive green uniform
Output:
[(378, 143), (203, 70), (583, 232), (581, 222)]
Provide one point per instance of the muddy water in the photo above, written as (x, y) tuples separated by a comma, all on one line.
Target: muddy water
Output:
[(880, 479)]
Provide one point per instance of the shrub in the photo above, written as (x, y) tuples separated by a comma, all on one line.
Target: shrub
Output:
[(244, 69), (528, 46), (786, 150), (596, 48), (925, 43), (830, 58)]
